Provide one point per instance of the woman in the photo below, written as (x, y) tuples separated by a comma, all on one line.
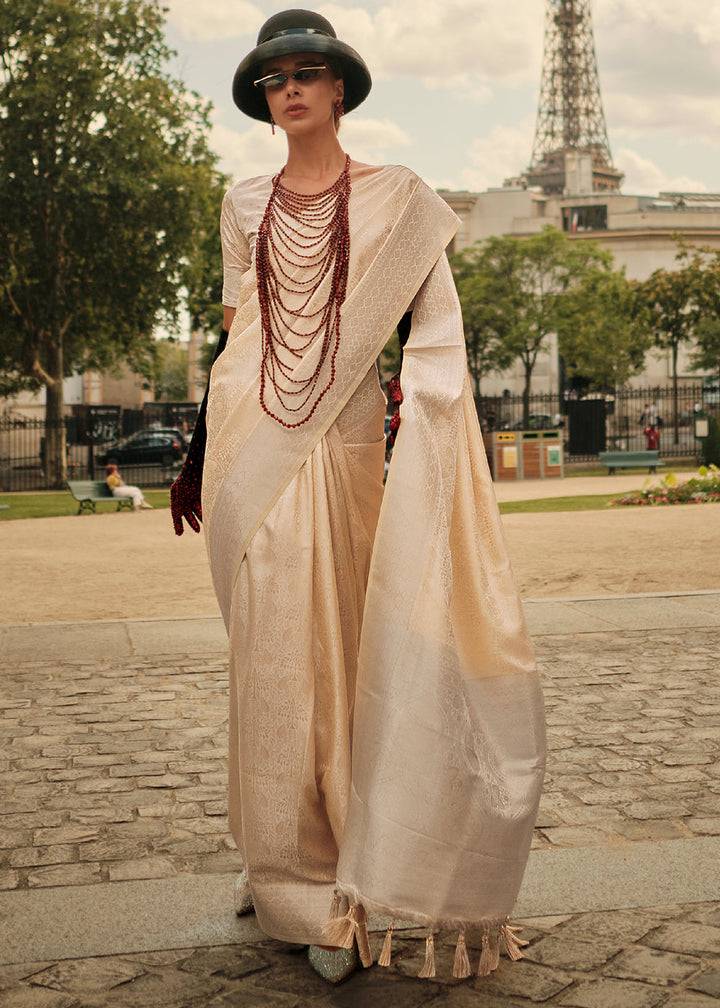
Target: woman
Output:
[(120, 489), (386, 731)]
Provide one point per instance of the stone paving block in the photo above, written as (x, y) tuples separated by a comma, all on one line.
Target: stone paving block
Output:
[(689, 999), (142, 868), (37, 998), (613, 994), (657, 810), (566, 953), (653, 829), (87, 976), (707, 982), (653, 966), (524, 979), (8, 880), (621, 926), (686, 937), (230, 962), (66, 875), (65, 835), (169, 989), (28, 857)]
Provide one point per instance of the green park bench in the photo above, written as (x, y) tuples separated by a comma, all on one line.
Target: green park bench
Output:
[(89, 492), (631, 460)]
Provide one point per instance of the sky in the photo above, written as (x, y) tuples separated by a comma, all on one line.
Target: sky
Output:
[(456, 83)]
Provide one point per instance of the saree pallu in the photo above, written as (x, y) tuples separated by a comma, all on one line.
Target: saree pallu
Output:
[(386, 720)]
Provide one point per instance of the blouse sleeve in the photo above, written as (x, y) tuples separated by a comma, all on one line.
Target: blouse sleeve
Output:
[(235, 251)]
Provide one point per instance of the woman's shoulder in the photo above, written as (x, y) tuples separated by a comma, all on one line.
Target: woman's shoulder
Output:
[(247, 191)]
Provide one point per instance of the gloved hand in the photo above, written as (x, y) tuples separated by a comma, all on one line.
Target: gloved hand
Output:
[(395, 398), (185, 497)]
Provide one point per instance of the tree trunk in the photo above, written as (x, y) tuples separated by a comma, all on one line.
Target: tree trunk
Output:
[(55, 446), (526, 396), (676, 421)]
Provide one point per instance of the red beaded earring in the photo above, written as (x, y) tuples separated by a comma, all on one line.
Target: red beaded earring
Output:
[(339, 109), (272, 125)]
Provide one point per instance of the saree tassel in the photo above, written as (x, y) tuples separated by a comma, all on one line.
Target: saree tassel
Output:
[(335, 906), (362, 937), (428, 969), (386, 953), (513, 944), (340, 931), (461, 964), (489, 955)]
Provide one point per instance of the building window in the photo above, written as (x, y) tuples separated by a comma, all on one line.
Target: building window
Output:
[(584, 218)]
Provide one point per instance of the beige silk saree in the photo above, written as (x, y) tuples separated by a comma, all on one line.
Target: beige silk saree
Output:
[(386, 722)]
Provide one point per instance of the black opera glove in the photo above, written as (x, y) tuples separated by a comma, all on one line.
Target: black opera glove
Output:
[(185, 493), (185, 496)]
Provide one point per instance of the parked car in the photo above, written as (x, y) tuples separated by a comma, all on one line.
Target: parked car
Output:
[(538, 421), (155, 446)]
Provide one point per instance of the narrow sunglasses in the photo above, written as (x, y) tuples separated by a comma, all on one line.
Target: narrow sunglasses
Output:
[(278, 79)]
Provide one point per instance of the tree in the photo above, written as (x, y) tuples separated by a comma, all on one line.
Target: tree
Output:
[(170, 371), (671, 300), (516, 301), (706, 355), (486, 352), (602, 334), (104, 174)]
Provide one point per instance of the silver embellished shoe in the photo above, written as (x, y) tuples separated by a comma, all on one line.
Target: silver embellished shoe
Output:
[(333, 965), (243, 896)]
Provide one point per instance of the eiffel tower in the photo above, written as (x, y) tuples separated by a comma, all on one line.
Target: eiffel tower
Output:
[(571, 151)]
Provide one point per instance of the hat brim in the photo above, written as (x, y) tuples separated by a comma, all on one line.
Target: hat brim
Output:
[(251, 100)]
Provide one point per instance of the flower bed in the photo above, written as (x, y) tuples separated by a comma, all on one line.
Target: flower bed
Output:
[(701, 489)]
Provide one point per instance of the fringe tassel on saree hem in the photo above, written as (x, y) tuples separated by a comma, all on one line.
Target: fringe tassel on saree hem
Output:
[(428, 969), (343, 932), (513, 944), (461, 965), (489, 954), (386, 954)]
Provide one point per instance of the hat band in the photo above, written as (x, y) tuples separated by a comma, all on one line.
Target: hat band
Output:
[(297, 31)]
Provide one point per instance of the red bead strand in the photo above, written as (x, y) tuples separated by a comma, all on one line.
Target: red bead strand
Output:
[(302, 242)]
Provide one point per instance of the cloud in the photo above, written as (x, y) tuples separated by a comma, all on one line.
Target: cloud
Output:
[(219, 20), (503, 153), (644, 177), (444, 44)]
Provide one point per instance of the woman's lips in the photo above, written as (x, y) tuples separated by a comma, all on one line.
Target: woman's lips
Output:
[(295, 110)]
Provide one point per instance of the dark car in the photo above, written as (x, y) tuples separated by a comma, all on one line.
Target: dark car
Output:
[(155, 446), (538, 421)]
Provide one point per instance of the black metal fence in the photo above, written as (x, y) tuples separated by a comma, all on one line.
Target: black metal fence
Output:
[(590, 424), (597, 422), (22, 445)]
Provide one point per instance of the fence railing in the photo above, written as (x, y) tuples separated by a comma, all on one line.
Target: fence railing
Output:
[(590, 425), (596, 422)]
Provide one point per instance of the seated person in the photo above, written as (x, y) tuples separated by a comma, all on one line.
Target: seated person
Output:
[(119, 489)]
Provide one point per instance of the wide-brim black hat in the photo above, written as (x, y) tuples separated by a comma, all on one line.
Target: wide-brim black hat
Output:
[(298, 31)]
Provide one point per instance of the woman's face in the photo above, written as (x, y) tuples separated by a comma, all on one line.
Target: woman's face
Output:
[(301, 106)]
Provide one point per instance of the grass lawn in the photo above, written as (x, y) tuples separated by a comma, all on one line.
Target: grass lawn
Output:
[(51, 504), (590, 502)]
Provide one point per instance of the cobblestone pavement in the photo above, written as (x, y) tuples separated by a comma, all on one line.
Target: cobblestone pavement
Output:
[(115, 770)]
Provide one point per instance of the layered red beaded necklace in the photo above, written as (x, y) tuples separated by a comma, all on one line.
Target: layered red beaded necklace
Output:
[(302, 242)]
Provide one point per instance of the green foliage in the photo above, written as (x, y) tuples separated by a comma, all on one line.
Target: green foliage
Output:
[(602, 335), (170, 372), (706, 355), (701, 489), (512, 292), (204, 273), (104, 175)]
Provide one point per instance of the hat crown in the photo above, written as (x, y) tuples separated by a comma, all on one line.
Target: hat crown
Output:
[(295, 22)]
